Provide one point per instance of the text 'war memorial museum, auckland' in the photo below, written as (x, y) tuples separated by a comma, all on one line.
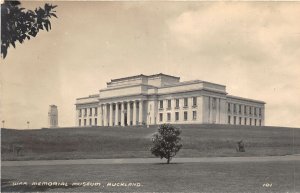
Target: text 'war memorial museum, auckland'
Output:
[(161, 98)]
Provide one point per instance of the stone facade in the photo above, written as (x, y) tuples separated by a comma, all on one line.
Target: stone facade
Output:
[(161, 98)]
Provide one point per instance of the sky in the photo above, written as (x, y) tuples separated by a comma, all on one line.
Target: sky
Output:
[(251, 47)]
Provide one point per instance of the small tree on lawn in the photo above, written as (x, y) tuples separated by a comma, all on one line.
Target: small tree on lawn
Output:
[(166, 142)]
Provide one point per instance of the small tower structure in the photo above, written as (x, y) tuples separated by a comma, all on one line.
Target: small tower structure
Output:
[(53, 116)]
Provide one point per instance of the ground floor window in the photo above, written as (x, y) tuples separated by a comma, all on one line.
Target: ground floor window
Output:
[(240, 120), (176, 116), (169, 116), (79, 122), (90, 121), (160, 117), (234, 120), (250, 121), (229, 119), (259, 122), (194, 115), (185, 115), (255, 122), (245, 123), (96, 121), (84, 121)]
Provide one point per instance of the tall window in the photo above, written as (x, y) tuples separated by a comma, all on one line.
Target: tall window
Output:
[(245, 110), (185, 102), (176, 116), (194, 101), (96, 111), (85, 112), (229, 107), (185, 115), (84, 122), (259, 111), (96, 121), (80, 112), (234, 108), (259, 122), (160, 117), (177, 103), (240, 120), (161, 104), (245, 122), (229, 119), (234, 120), (169, 116), (255, 111), (90, 121), (79, 122), (90, 111), (194, 115), (240, 109), (169, 104), (250, 121), (255, 122), (250, 110)]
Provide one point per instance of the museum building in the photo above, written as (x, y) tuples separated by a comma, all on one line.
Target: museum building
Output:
[(161, 98)]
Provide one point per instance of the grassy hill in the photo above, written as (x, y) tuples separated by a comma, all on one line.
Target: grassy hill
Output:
[(127, 142)]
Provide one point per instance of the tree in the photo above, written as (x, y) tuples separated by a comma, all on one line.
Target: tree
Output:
[(166, 142), (17, 24)]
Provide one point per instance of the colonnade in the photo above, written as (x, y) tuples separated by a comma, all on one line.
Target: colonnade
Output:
[(122, 113)]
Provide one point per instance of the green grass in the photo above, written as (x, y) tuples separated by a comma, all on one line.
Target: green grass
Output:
[(185, 177), (130, 142)]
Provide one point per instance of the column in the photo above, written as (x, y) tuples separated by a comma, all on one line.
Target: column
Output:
[(111, 114), (141, 112), (122, 115), (105, 114), (128, 113), (134, 113), (117, 114), (100, 116)]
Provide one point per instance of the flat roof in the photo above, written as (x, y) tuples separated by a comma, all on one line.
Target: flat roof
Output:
[(247, 99)]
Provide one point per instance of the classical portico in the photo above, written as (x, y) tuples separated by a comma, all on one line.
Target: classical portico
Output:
[(161, 98)]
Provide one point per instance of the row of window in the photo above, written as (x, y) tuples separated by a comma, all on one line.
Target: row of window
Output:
[(90, 122), (237, 108), (185, 103), (84, 111), (243, 121), (185, 116)]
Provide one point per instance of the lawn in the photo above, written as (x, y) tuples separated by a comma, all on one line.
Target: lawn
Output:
[(183, 177), (131, 142)]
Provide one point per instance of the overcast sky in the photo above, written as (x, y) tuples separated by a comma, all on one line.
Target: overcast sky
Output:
[(252, 48)]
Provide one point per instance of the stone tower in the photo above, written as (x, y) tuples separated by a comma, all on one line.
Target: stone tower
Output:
[(53, 116)]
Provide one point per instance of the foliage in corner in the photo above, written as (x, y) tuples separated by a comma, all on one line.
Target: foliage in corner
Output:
[(166, 142), (17, 24)]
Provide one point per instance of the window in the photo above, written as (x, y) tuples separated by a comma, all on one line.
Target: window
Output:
[(85, 112), (177, 103), (96, 111), (168, 116), (185, 115), (160, 117), (245, 110), (250, 121), (194, 101), (229, 107), (194, 115), (80, 112), (255, 111), (79, 122), (234, 108), (259, 122), (161, 104), (176, 116), (245, 122), (240, 120), (240, 109), (234, 120), (90, 111), (259, 111), (255, 122), (96, 121), (169, 104), (250, 110), (84, 122), (90, 121), (229, 119), (185, 102)]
